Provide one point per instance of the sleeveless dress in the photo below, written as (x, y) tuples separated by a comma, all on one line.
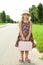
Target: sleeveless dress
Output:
[(25, 30)]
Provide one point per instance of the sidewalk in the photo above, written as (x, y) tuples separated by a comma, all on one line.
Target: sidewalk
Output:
[(34, 56)]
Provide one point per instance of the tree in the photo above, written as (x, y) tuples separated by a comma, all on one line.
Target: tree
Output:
[(8, 18), (40, 13), (3, 16), (0, 18), (33, 13), (11, 21)]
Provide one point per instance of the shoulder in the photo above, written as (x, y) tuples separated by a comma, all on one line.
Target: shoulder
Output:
[(19, 23), (30, 22)]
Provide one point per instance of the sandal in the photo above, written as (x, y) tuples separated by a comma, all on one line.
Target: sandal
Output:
[(21, 60), (27, 60)]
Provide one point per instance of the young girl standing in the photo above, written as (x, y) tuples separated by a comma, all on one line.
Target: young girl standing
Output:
[(25, 34)]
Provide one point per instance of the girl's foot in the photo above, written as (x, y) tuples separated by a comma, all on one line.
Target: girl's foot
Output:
[(27, 60), (21, 60)]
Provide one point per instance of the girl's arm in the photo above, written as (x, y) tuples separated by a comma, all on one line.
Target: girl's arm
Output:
[(30, 31), (20, 30)]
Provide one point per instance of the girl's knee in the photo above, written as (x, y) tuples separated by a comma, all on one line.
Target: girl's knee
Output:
[(26, 51), (22, 51)]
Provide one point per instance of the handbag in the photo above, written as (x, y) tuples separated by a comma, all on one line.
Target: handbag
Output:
[(25, 45)]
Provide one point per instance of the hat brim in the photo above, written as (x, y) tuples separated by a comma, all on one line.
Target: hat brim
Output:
[(26, 13)]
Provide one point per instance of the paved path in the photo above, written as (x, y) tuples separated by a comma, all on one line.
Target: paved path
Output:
[(9, 54)]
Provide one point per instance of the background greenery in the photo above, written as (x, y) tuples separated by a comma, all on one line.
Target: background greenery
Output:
[(36, 13), (5, 18), (37, 31)]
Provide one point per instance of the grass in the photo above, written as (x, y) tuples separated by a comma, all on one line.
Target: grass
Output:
[(41, 58), (2, 24), (37, 31)]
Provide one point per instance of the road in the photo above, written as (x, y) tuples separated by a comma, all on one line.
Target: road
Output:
[(9, 54)]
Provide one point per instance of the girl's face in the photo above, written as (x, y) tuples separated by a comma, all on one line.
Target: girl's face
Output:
[(25, 17)]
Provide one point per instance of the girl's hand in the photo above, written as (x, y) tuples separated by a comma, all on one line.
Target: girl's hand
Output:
[(23, 38), (27, 38)]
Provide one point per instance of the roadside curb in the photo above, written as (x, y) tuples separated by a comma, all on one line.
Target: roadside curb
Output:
[(3, 25)]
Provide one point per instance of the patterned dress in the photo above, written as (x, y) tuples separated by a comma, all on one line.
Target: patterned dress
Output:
[(25, 30)]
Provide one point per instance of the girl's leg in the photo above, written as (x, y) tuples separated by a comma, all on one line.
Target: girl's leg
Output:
[(22, 56), (26, 56)]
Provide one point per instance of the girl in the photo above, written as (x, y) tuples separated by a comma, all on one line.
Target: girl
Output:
[(25, 34)]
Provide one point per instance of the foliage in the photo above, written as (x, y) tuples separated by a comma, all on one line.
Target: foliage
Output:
[(5, 18), (36, 13)]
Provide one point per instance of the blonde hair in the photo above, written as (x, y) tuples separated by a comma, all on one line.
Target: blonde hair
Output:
[(22, 18)]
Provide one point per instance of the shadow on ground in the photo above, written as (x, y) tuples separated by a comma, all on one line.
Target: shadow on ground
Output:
[(26, 63)]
